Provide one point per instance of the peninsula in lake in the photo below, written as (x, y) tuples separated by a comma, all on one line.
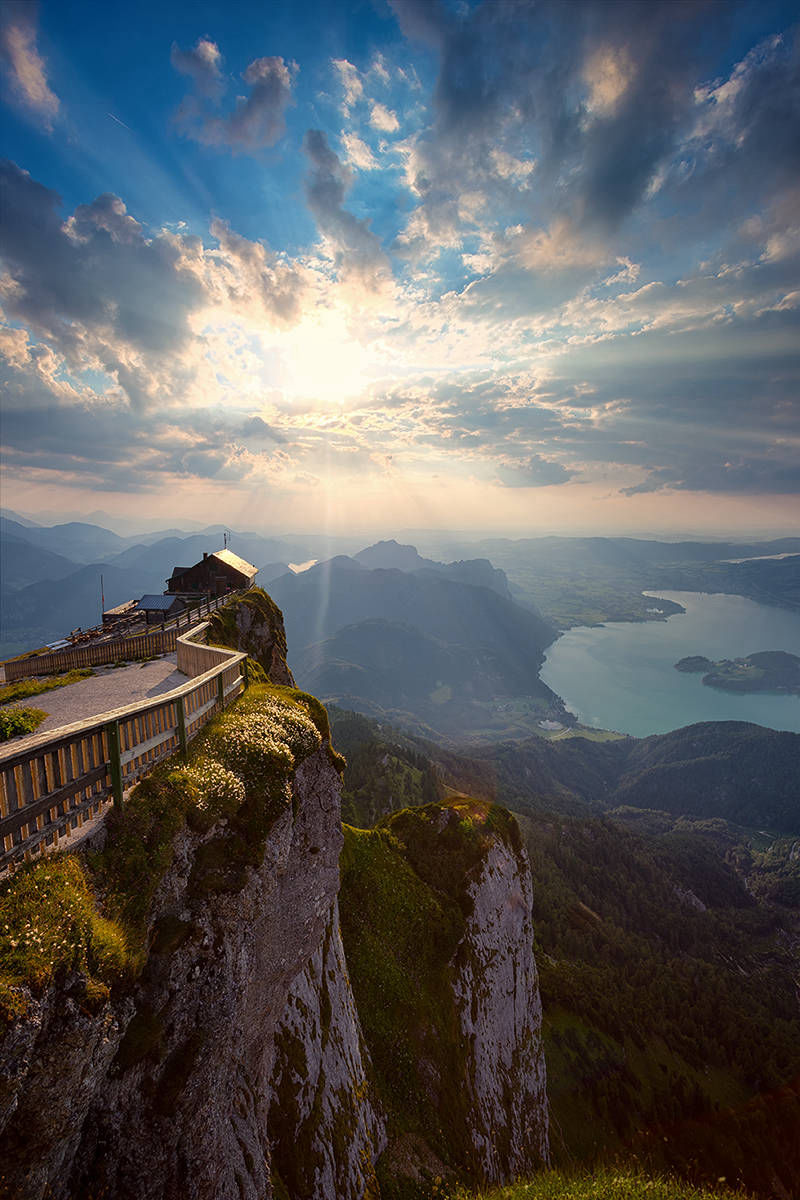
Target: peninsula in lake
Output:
[(767, 671)]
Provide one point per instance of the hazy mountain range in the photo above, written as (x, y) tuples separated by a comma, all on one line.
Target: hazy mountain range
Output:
[(448, 649), (425, 643)]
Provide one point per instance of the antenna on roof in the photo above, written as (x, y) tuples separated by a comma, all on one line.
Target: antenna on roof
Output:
[(225, 539)]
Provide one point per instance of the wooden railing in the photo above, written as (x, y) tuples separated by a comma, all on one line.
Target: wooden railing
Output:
[(94, 654), (58, 780)]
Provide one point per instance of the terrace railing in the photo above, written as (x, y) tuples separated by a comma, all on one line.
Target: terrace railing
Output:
[(56, 781), (143, 645)]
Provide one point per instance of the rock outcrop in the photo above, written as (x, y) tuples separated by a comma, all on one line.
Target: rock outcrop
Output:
[(166, 1092), (500, 1012), (254, 623), (438, 933)]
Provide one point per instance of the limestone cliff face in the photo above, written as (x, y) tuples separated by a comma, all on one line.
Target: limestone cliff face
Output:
[(436, 911), (496, 987), (326, 1129), (166, 1093)]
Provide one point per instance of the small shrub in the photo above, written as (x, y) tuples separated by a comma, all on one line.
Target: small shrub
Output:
[(16, 721)]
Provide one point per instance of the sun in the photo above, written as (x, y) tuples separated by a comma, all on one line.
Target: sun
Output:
[(321, 361)]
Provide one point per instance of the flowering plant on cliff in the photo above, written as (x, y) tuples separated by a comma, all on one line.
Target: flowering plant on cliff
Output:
[(214, 787), (253, 744)]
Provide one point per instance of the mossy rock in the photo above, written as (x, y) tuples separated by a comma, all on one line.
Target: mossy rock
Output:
[(91, 916), (253, 623)]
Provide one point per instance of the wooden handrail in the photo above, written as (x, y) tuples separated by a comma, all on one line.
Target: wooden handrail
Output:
[(160, 640), (58, 779)]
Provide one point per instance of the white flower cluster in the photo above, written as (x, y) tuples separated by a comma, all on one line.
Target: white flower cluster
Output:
[(254, 744), (216, 786)]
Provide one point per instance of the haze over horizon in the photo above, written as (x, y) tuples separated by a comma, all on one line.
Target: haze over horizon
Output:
[(402, 265)]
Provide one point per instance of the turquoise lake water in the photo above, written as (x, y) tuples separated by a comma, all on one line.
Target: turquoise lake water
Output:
[(622, 676)]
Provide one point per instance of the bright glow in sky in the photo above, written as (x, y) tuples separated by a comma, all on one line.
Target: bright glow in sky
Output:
[(403, 264)]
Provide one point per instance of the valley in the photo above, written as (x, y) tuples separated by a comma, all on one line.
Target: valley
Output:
[(666, 940)]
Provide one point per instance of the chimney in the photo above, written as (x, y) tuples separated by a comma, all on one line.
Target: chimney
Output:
[(205, 556)]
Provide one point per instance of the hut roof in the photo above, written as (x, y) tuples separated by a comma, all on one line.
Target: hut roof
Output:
[(233, 560)]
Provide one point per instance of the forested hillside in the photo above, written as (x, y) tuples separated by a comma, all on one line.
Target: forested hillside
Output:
[(666, 943)]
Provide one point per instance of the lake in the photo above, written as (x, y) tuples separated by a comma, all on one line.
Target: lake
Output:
[(622, 675)]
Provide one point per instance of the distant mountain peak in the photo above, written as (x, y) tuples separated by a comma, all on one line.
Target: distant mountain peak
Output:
[(393, 554)]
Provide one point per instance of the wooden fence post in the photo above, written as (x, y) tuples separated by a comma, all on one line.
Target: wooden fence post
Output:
[(112, 733), (221, 690), (179, 704)]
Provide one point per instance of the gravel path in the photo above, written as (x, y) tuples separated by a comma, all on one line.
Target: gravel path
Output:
[(109, 688)]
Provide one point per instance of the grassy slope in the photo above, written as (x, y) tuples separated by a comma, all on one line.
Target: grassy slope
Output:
[(604, 1185), (659, 1016)]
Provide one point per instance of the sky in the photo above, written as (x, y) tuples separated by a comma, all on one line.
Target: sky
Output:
[(509, 266)]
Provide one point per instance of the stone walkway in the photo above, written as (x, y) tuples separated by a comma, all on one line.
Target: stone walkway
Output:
[(109, 688)]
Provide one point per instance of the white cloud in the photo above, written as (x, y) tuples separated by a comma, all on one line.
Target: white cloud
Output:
[(25, 68), (509, 167), (256, 121), (350, 81), (381, 117), (358, 153), (608, 73), (203, 64)]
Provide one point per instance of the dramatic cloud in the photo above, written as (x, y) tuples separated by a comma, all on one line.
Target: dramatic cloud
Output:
[(103, 294), (357, 250), (248, 277), (256, 120), (538, 247), (606, 100), (24, 67), (535, 472)]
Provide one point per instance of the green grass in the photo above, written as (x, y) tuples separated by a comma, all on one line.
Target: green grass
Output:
[(399, 938), (49, 922), (15, 721), (623, 1184), (35, 687)]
